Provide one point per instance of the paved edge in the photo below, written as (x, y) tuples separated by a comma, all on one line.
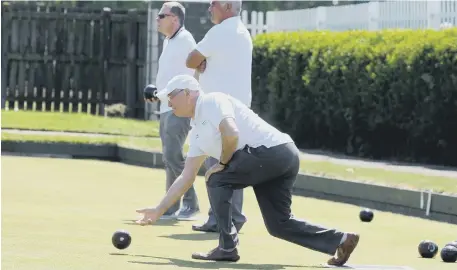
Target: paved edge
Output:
[(351, 162), (439, 207)]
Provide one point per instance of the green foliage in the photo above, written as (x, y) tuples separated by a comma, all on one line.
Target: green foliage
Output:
[(387, 94), (116, 110)]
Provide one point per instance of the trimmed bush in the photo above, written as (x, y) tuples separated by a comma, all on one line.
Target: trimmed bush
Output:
[(388, 94)]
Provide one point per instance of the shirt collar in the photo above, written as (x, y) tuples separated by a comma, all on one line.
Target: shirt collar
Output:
[(177, 32), (231, 19)]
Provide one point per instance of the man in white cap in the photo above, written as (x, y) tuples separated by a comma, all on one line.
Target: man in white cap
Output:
[(251, 152)]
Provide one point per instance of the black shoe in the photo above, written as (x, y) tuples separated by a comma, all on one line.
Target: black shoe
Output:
[(218, 255), (205, 227)]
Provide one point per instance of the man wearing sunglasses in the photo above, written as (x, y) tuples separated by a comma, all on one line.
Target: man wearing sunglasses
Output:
[(224, 58), (253, 153), (177, 45)]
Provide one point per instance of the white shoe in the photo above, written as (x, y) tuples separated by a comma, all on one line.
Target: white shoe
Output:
[(187, 214), (168, 217)]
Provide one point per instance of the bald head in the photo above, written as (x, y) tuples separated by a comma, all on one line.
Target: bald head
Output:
[(234, 6), (223, 9)]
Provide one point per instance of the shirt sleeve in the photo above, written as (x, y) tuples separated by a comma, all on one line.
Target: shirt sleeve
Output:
[(209, 44), (187, 44), (218, 109)]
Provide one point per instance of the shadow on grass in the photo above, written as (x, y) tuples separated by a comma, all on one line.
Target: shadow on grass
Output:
[(193, 236), (212, 265), (169, 222)]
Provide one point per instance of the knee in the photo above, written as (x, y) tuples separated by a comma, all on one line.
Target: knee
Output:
[(213, 182), (274, 228)]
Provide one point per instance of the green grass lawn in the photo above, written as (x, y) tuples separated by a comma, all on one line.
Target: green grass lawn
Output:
[(60, 214), (78, 122), (321, 168)]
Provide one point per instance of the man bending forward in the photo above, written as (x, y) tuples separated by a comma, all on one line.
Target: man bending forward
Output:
[(251, 153)]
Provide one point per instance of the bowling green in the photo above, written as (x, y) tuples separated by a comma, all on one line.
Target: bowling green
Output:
[(60, 214)]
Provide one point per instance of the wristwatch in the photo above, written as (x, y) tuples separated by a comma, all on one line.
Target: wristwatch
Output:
[(223, 164)]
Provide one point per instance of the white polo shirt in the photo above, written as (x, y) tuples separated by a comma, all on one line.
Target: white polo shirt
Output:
[(228, 50), (205, 137), (172, 61)]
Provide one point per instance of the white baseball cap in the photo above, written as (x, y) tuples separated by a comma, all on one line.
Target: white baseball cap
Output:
[(179, 82)]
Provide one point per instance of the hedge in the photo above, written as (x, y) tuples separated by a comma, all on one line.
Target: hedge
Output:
[(383, 95)]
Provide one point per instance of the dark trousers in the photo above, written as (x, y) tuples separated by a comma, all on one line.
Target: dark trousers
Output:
[(237, 201), (272, 173)]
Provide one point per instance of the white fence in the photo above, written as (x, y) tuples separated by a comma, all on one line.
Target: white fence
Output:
[(369, 16)]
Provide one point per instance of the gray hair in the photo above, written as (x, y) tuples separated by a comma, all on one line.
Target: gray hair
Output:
[(177, 9), (235, 4)]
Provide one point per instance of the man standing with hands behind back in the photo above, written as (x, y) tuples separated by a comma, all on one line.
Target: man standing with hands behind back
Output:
[(173, 130), (224, 59)]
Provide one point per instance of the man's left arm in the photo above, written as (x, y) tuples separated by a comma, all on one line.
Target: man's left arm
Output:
[(223, 117), (229, 136), (195, 59)]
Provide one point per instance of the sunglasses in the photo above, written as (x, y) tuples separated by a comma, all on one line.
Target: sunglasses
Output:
[(161, 16)]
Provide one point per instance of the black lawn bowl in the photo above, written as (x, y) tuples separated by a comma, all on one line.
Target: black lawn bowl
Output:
[(366, 215), (428, 249), (150, 92), (449, 254), (454, 244), (121, 239)]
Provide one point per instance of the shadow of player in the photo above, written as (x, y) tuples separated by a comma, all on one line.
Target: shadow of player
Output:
[(244, 266), (212, 265), (167, 222), (217, 265), (192, 236)]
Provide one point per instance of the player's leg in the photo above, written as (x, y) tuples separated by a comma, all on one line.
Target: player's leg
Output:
[(238, 218), (275, 199), (237, 205), (168, 170), (175, 133), (221, 186), (248, 166)]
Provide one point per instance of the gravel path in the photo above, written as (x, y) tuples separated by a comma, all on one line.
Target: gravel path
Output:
[(391, 166), (54, 133), (350, 162)]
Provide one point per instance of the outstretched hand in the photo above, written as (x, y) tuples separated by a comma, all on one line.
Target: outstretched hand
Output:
[(150, 216)]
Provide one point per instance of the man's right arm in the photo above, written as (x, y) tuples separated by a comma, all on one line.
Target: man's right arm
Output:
[(182, 184)]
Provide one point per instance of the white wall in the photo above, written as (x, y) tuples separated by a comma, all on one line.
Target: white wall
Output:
[(375, 15)]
